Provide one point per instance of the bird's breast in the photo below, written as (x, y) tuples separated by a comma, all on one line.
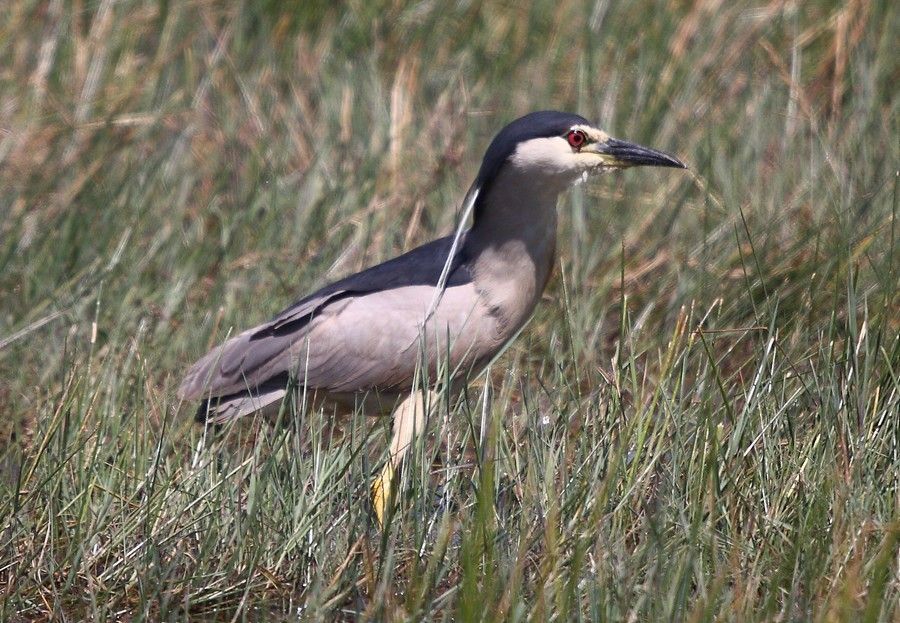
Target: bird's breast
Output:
[(510, 279)]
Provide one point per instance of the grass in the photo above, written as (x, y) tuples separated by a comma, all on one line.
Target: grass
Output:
[(700, 422)]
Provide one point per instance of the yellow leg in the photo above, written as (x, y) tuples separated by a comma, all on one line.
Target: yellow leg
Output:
[(409, 419), (382, 492)]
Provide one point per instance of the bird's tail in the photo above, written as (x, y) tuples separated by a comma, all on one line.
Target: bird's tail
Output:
[(266, 400)]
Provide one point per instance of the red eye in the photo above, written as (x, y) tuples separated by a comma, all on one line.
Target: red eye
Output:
[(576, 139)]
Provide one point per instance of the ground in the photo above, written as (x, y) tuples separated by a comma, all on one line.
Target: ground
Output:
[(699, 423)]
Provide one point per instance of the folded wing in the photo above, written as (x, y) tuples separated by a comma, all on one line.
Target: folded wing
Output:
[(358, 334)]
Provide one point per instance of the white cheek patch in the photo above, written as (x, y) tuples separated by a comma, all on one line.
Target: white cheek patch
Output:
[(554, 156), (551, 154)]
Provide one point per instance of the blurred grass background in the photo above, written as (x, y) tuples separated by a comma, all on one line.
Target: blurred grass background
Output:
[(700, 423)]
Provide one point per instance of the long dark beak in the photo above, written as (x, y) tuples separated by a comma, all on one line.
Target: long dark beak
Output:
[(622, 154)]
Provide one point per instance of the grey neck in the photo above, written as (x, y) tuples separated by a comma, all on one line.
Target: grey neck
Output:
[(511, 247)]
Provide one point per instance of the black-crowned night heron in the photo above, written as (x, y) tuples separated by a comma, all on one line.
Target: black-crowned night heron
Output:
[(441, 311)]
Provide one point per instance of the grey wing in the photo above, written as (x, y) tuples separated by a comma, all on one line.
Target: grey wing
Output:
[(316, 340), (376, 341), (250, 358)]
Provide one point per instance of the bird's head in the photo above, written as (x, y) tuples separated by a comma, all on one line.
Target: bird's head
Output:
[(559, 148)]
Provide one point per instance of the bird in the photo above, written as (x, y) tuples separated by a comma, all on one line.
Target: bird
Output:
[(384, 339)]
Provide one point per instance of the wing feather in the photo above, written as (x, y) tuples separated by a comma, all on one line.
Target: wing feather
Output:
[(349, 336)]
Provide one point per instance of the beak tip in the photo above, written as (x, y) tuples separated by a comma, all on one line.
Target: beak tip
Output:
[(668, 160)]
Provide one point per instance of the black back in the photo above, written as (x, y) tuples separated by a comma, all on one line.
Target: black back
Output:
[(539, 124)]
